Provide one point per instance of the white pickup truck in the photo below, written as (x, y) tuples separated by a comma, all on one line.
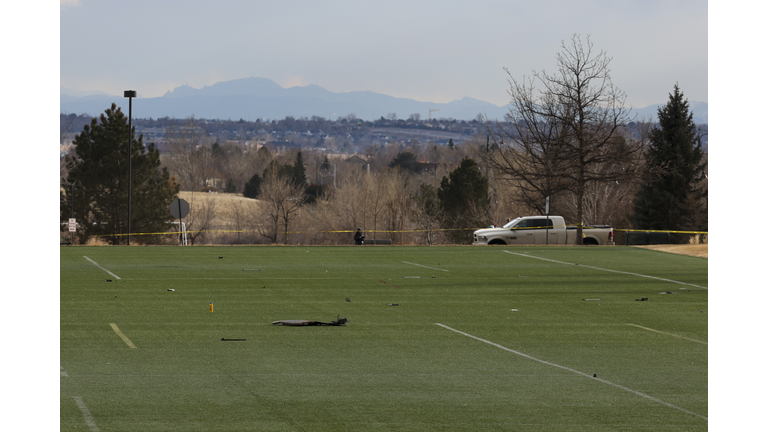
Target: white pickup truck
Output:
[(532, 230)]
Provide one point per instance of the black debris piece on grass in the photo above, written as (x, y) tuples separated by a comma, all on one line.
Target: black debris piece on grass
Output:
[(231, 340), (434, 277), (107, 280), (221, 257), (642, 299), (171, 289), (393, 304), (592, 299), (347, 299), (303, 323)]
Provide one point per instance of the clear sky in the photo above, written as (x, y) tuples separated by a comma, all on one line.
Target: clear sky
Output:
[(433, 51)]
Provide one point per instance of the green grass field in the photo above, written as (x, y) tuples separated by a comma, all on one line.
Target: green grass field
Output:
[(523, 353)]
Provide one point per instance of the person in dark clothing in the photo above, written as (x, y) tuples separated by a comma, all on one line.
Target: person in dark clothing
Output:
[(359, 237)]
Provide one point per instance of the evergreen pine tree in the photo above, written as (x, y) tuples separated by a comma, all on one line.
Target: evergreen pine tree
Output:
[(464, 200), (100, 177), (406, 161), (252, 187), (671, 196), (299, 175)]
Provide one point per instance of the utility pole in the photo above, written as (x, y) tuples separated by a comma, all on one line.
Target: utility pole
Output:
[(130, 94)]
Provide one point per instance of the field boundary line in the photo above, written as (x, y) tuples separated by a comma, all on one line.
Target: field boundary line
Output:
[(574, 371), (122, 336), (97, 265), (608, 270), (86, 414), (668, 334), (406, 262)]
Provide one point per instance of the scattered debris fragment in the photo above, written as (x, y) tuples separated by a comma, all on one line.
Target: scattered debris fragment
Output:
[(594, 375), (592, 299), (230, 340), (665, 292), (171, 289), (298, 323), (642, 299), (221, 257), (251, 270), (347, 299), (107, 280), (393, 304), (513, 310), (522, 276), (434, 277)]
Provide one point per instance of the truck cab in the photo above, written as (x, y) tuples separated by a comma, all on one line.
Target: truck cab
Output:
[(528, 230)]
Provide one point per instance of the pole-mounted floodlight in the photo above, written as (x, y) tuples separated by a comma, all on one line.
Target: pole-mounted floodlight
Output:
[(130, 94)]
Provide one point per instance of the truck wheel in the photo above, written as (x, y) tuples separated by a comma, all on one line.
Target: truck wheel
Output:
[(497, 242), (590, 242)]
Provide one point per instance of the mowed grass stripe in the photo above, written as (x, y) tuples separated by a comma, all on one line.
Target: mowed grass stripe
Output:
[(573, 371)]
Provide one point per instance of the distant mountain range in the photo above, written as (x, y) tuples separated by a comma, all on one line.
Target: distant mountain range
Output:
[(252, 98)]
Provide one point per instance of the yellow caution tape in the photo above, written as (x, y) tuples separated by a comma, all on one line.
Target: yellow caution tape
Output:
[(391, 231)]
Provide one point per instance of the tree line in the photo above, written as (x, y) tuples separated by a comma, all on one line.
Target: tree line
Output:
[(568, 137)]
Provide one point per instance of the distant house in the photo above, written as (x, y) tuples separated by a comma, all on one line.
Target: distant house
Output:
[(356, 160)]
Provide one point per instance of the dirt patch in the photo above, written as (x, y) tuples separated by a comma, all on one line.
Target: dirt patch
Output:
[(699, 250)]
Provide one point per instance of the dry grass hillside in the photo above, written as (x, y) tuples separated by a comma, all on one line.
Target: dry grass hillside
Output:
[(698, 250)]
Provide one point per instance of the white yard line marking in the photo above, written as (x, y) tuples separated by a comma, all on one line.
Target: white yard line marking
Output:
[(668, 334), (122, 336), (574, 371), (63, 372), (97, 265), (406, 262), (86, 414), (608, 270)]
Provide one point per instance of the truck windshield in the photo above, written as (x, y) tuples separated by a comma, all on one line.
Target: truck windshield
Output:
[(512, 223)]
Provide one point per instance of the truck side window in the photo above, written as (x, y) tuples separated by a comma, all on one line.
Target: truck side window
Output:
[(541, 223)]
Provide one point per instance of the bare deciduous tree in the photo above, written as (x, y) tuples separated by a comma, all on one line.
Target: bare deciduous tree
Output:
[(202, 213), (565, 135), (281, 201), (190, 159)]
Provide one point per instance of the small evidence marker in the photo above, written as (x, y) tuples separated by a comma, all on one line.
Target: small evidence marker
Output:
[(210, 307)]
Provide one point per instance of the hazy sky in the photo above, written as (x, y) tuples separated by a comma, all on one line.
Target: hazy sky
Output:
[(435, 51)]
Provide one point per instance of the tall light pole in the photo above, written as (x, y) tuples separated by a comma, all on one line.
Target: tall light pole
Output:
[(130, 94)]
